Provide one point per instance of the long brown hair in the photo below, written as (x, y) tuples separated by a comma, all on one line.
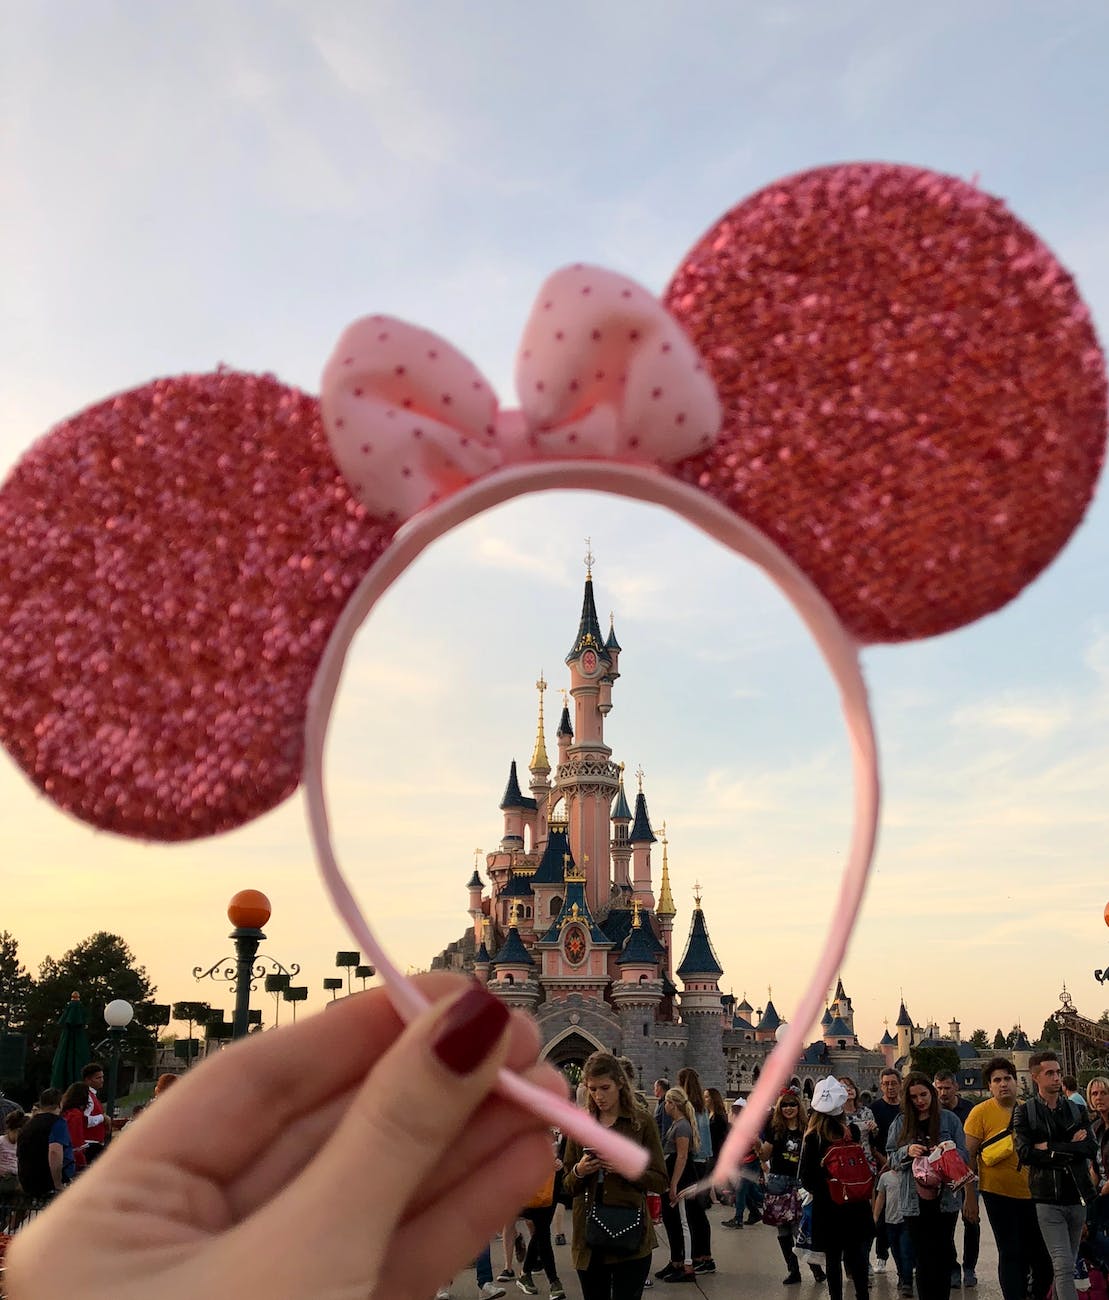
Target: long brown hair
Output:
[(716, 1103), (690, 1083), (913, 1127), (778, 1126), (603, 1066), (828, 1128)]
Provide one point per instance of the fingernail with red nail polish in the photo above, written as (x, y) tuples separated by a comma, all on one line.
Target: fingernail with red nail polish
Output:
[(469, 1030)]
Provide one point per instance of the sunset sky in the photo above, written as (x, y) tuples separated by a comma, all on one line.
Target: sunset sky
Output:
[(201, 183)]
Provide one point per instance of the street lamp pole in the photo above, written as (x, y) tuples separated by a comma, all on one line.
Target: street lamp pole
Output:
[(118, 1015)]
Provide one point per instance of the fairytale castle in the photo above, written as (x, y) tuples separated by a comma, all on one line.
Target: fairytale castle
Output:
[(573, 930)]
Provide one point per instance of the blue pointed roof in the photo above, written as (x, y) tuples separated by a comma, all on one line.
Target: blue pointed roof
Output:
[(620, 810), (611, 642), (513, 952), (641, 832), (770, 1018), (966, 1052), (589, 629), (575, 894), (516, 886), (826, 1018), (638, 949), (743, 1025), (1022, 1044), (475, 881), (839, 1028), (887, 1040), (550, 869), (699, 957), (618, 926), (481, 957), (904, 1020), (564, 727), (513, 796)]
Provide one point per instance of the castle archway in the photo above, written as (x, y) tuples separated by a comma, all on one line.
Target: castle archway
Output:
[(571, 1047)]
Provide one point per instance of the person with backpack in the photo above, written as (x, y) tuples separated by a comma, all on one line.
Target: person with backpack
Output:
[(837, 1175), (930, 1209)]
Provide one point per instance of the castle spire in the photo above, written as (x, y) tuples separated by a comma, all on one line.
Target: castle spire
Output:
[(665, 897), (539, 760), (589, 635)]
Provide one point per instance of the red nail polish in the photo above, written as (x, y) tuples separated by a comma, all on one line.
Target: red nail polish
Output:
[(469, 1030)]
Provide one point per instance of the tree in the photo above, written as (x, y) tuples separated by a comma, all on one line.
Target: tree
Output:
[(101, 968), (929, 1060), (15, 984), (999, 1041), (980, 1040), (1049, 1035)]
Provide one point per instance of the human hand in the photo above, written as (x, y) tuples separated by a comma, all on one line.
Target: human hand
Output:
[(1080, 1136), (970, 1210), (1040, 1146), (345, 1156), (917, 1150)]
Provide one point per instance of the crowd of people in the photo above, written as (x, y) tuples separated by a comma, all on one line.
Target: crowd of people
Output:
[(848, 1184), (850, 1187)]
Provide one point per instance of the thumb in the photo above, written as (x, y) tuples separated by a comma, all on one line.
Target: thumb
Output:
[(410, 1110)]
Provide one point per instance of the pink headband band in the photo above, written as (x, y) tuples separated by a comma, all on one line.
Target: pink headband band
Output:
[(872, 381)]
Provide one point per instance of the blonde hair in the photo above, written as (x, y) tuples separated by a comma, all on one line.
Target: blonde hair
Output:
[(677, 1097), (1100, 1078)]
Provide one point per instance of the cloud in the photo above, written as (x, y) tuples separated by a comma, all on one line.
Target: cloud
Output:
[(1031, 718)]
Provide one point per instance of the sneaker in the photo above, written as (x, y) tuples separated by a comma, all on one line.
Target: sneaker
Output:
[(731, 1223), (878, 1265), (905, 1289), (557, 1291), (664, 1273), (970, 1278), (956, 1278), (505, 1275), (526, 1284), (792, 1279), (443, 1294), (1081, 1275), (560, 1239), (705, 1265), (818, 1273), (682, 1276), (491, 1292)]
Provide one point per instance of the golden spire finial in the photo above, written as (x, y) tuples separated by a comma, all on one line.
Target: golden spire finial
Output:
[(665, 897), (640, 774), (539, 760), (769, 994), (697, 893), (570, 869), (589, 557), (636, 922), (477, 858)]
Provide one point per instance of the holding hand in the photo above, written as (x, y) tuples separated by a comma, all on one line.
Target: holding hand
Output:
[(347, 1155)]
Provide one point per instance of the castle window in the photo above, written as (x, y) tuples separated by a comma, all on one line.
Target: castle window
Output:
[(556, 906), (646, 1030)]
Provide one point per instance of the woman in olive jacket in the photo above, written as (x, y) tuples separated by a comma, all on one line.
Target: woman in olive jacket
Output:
[(603, 1275)]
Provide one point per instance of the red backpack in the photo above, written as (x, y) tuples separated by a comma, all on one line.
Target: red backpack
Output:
[(848, 1175)]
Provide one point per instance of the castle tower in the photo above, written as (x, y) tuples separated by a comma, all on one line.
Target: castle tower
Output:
[(587, 778), (547, 885), (481, 957), (888, 1047), (513, 970), (540, 767), (955, 1031), (666, 911), (904, 1026), (476, 910), (621, 845), (769, 1022), (637, 994), (700, 973), (642, 837)]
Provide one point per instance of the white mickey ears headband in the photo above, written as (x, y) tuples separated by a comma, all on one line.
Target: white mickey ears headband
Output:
[(872, 380)]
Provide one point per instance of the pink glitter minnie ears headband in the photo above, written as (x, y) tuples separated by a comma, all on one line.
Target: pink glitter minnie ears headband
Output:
[(871, 380)]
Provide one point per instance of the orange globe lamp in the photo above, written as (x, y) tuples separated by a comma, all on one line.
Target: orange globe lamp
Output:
[(1106, 913), (249, 910)]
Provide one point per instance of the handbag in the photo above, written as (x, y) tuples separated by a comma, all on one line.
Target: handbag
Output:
[(999, 1147), (615, 1229), (779, 1208)]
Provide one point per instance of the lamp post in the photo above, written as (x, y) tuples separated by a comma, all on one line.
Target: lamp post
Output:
[(347, 962), (1103, 975), (298, 993), (248, 911), (332, 984), (118, 1015)]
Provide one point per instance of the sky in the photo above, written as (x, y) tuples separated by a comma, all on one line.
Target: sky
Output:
[(201, 183)]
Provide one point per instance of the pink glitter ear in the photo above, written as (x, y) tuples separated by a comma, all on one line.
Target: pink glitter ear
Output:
[(914, 396), (175, 559)]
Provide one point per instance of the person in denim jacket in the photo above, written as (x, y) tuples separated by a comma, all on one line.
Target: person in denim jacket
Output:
[(930, 1220)]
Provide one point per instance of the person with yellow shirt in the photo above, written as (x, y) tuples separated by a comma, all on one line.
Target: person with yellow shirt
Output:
[(1003, 1186)]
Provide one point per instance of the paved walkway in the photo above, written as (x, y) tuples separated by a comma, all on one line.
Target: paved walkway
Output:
[(749, 1267)]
